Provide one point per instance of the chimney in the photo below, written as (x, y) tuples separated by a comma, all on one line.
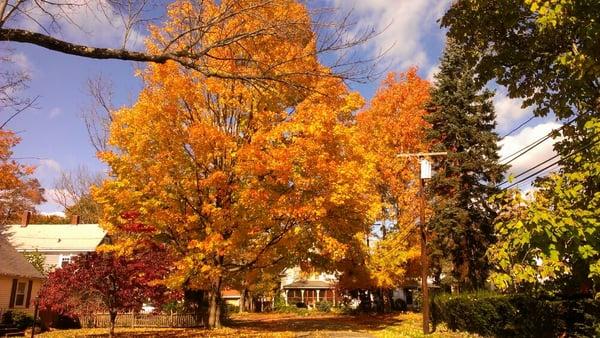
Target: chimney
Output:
[(25, 218), (75, 219)]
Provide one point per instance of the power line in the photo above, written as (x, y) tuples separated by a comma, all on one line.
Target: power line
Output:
[(512, 157), (534, 167), (552, 164), (540, 173), (525, 150), (518, 127)]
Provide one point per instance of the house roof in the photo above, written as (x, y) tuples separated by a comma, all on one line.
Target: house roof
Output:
[(55, 237), (14, 264), (230, 294), (309, 284)]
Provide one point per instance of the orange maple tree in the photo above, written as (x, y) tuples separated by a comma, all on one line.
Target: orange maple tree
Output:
[(392, 124), (231, 176), (18, 190)]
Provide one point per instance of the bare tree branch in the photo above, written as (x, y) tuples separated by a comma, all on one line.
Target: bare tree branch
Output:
[(189, 46), (21, 109), (98, 116), (72, 191)]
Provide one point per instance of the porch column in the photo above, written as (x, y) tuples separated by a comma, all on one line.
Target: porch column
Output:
[(318, 294), (302, 295), (286, 297), (333, 296)]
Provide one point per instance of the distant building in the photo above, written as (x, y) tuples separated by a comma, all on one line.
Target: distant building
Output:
[(57, 242), (231, 297), (20, 282), (309, 289)]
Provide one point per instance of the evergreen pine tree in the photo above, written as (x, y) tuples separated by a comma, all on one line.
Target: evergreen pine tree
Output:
[(462, 118)]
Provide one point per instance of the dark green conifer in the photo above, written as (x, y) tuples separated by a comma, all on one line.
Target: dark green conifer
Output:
[(462, 118)]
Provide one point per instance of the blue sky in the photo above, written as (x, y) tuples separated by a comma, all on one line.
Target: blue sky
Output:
[(54, 136)]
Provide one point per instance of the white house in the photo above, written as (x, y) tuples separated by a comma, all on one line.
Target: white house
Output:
[(57, 242), (308, 288)]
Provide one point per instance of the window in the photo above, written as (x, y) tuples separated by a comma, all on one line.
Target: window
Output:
[(20, 294), (64, 260)]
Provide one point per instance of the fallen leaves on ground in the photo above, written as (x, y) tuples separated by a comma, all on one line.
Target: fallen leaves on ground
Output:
[(285, 325)]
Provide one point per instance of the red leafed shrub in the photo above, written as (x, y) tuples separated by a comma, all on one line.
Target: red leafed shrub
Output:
[(105, 282)]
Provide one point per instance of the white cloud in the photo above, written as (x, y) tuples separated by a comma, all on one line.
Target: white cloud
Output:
[(53, 213), (22, 63), (54, 112), (525, 137), (508, 111), (55, 196), (91, 23), (50, 164), (51, 206), (404, 27), (432, 72)]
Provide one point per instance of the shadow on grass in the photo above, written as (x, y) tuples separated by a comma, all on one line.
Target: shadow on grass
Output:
[(263, 325), (297, 324)]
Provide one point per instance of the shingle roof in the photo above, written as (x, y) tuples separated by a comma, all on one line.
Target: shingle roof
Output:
[(309, 284), (14, 264), (56, 237)]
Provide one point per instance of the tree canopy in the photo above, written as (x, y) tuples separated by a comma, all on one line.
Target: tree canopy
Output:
[(19, 191), (543, 51), (391, 125), (232, 176)]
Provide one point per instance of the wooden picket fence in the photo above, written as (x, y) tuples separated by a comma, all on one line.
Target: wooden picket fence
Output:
[(142, 320)]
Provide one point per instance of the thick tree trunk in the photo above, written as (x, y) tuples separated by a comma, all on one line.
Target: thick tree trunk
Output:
[(113, 320), (214, 305)]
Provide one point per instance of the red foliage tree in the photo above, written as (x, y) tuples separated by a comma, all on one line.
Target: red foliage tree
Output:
[(100, 281)]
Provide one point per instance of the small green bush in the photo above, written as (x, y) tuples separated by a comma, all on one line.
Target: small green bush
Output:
[(279, 302), (323, 306), (293, 309), (232, 308), (517, 315), (417, 300), (18, 319)]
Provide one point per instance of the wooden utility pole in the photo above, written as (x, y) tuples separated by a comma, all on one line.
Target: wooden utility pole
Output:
[(424, 258), (425, 172)]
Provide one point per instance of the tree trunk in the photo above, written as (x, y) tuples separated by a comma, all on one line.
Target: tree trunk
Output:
[(214, 306), (251, 301), (113, 320), (243, 296), (390, 296), (380, 301)]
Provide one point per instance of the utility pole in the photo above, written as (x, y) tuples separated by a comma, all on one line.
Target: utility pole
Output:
[(425, 173)]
